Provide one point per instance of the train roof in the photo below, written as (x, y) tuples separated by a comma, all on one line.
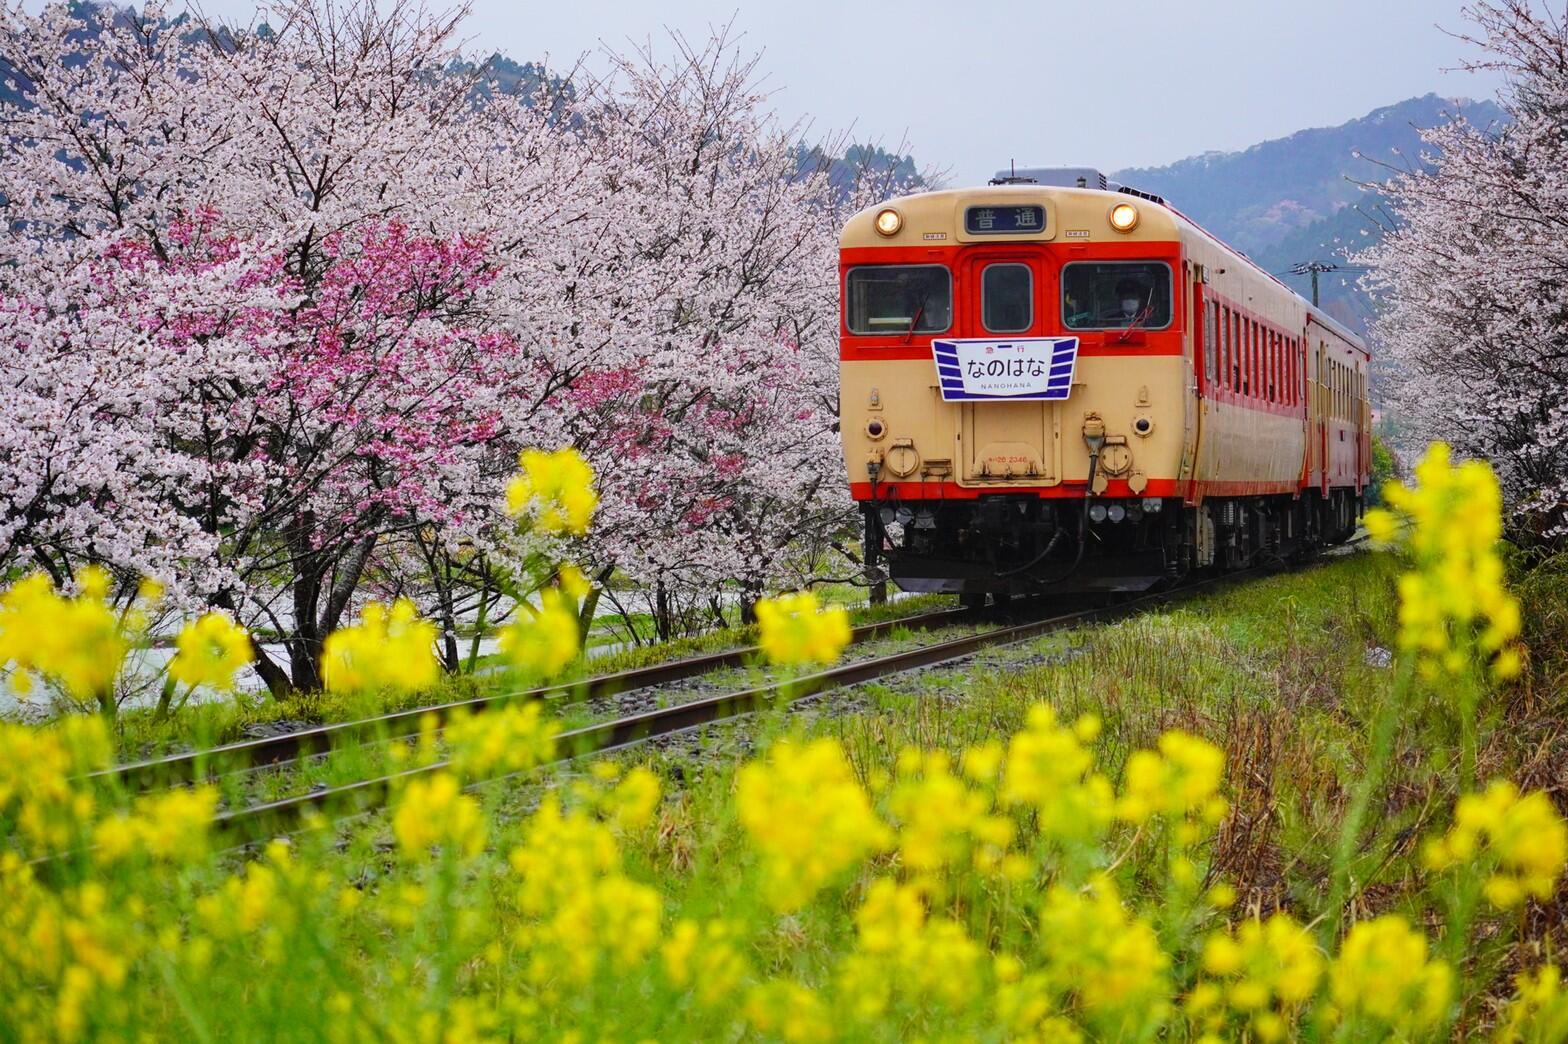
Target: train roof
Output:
[(937, 217)]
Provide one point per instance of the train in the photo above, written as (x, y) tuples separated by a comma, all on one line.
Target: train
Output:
[(1055, 383)]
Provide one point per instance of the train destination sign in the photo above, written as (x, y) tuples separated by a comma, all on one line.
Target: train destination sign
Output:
[(987, 221), (1036, 369)]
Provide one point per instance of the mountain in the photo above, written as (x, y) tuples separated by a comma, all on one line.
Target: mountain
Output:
[(1310, 196)]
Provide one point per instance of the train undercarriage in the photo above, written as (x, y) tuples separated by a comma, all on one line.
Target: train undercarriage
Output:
[(1003, 545)]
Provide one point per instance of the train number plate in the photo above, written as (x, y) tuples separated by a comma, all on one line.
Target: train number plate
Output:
[(1036, 369)]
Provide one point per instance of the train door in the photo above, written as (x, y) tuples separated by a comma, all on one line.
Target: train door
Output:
[(1317, 434), (1203, 360), (1006, 297)]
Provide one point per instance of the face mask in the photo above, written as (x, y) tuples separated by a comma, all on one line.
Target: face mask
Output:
[(1130, 304)]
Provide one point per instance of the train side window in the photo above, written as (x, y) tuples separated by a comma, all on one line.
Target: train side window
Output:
[(1273, 366), (1235, 353), (1116, 295), (1224, 346), (1248, 346), (1006, 298), (1258, 361), (895, 300), (1210, 346)]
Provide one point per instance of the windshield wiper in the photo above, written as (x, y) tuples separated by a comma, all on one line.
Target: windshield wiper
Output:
[(1144, 313), (914, 322)]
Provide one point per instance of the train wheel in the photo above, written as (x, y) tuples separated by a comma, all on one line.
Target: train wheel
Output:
[(971, 601)]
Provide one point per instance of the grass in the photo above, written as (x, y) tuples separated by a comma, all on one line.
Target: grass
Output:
[(360, 933)]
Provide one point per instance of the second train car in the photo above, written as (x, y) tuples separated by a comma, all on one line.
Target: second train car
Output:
[(1052, 383)]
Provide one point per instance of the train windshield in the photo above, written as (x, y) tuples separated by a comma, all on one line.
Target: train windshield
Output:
[(898, 299), (1116, 295)]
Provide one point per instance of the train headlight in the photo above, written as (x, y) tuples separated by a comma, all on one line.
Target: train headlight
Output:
[(888, 516), (1116, 512), (1096, 512), (1124, 217), (889, 221)]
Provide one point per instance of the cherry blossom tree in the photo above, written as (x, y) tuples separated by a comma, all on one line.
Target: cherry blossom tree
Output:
[(1474, 274), (233, 240), (282, 303)]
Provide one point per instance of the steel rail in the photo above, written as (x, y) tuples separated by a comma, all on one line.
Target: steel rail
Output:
[(211, 762), (255, 822)]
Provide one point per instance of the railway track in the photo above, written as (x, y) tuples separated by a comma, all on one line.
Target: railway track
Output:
[(264, 819), (269, 818), (242, 755)]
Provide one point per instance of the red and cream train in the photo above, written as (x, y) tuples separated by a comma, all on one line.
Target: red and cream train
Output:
[(1049, 385)]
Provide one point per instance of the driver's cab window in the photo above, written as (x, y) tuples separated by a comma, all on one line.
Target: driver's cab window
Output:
[(1116, 295), (898, 299)]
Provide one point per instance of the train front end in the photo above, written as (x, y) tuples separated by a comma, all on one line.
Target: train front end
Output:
[(997, 346)]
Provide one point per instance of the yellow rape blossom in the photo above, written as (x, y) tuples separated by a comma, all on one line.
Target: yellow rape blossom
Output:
[(936, 811), (1048, 766), (1110, 957), (170, 827), (583, 911), (1383, 973), (557, 488), (545, 643), (510, 739), (901, 949), (1521, 837), (1263, 970), (1183, 779), (794, 630), (388, 649), (788, 1011), (1538, 1013), (631, 803), (208, 651), (1452, 602), (706, 958), (78, 644), (807, 816), (37, 768), (435, 811)]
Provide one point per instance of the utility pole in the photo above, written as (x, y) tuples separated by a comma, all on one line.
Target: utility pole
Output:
[(1316, 268)]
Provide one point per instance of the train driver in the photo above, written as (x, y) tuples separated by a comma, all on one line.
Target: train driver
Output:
[(1131, 303)]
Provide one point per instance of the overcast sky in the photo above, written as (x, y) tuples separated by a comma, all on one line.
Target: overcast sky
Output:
[(970, 84)]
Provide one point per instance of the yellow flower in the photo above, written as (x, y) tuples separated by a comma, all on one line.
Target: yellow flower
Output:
[(1452, 602), (900, 949), (807, 816), (558, 487), (435, 811), (1048, 767), (794, 630), (1265, 971), (544, 644), (707, 958), (514, 738), (583, 911), (1522, 838), (170, 827), (40, 771), (1109, 957), (387, 649), (787, 1010), (208, 651), (1538, 1012), (630, 805), (1383, 973), (76, 643), (1183, 778), (935, 810)]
